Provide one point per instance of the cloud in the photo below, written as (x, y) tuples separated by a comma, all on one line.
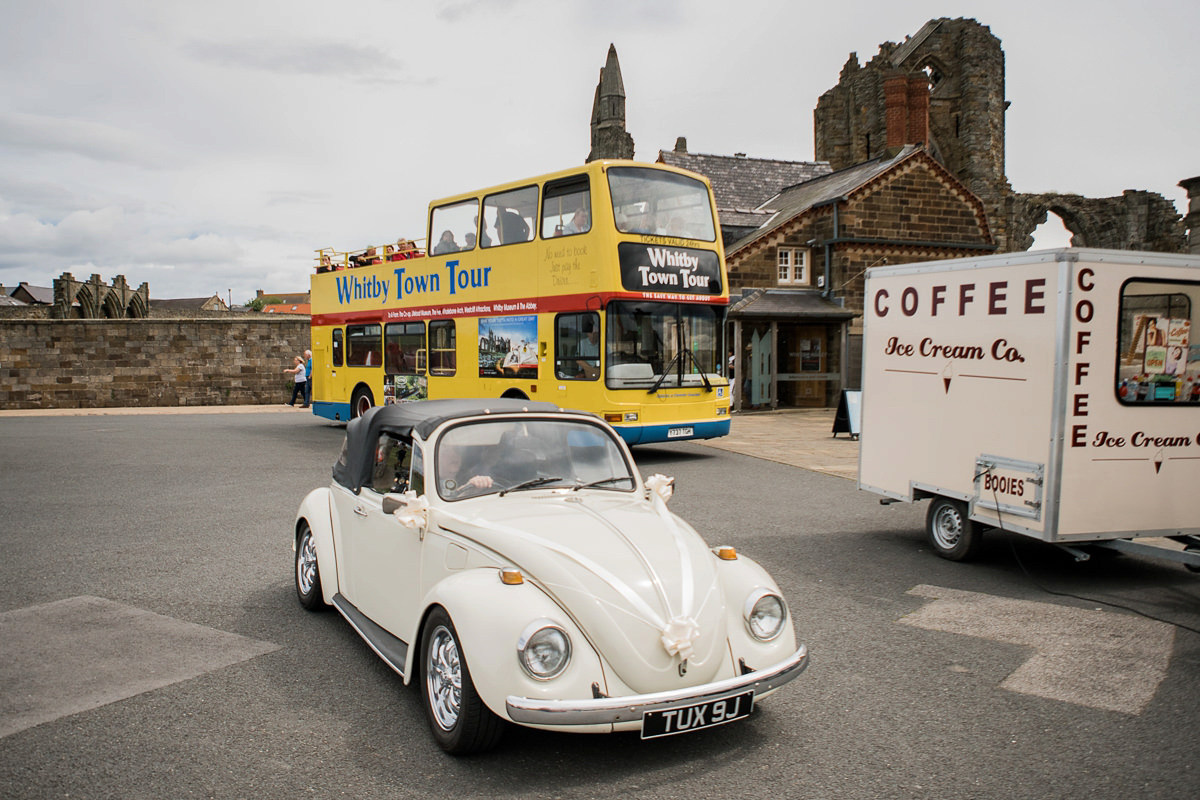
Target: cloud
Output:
[(93, 140), (316, 58)]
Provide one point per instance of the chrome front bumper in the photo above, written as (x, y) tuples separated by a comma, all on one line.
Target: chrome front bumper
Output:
[(612, 710)]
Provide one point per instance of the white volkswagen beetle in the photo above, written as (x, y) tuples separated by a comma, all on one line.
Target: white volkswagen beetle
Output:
[(508, 556)]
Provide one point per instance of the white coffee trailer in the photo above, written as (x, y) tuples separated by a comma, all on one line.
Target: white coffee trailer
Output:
[(1055, 394)]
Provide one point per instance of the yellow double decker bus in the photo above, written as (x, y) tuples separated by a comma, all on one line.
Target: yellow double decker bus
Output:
[(600, 288)]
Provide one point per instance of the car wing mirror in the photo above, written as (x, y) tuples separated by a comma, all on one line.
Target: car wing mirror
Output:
[(409, 510)]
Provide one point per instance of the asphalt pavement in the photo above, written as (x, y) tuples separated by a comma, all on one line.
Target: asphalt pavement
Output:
[(151, 644), (797, 437)]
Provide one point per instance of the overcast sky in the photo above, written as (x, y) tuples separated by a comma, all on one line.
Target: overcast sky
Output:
[(212, 146)]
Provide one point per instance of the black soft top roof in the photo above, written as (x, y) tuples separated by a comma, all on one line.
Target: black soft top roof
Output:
[(353, 468)]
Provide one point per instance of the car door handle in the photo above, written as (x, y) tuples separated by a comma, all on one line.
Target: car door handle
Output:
[(362, 512)]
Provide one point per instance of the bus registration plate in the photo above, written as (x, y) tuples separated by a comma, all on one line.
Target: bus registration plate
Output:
[(679, 433), (697, 717)]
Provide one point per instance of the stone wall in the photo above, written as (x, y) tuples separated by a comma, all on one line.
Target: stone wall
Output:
[(48, 363)]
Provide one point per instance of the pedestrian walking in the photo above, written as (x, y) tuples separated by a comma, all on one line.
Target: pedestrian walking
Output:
[(299, 381)]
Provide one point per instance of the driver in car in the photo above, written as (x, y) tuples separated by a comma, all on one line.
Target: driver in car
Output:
[(456, 476)]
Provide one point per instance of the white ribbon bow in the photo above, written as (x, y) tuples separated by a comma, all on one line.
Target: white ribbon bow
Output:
[(680, 635), (415, 511), (661, 485)]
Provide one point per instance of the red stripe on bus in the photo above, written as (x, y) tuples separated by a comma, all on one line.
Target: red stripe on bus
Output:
[(508, 307)]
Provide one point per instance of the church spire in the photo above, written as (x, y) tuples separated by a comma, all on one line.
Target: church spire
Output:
[(609, 139)]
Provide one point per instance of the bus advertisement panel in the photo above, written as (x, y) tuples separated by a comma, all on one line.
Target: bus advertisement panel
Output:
[(601, 288)]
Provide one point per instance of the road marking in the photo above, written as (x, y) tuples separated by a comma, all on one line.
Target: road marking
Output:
[(85, 652), (1098, 659)]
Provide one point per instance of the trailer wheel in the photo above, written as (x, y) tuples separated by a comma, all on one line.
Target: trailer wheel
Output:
[(951, 533), (1191, 548)]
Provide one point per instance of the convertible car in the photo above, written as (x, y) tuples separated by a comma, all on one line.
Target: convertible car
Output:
[(507, 556)]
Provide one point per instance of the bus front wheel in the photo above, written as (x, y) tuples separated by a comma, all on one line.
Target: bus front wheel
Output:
[(361, 402)]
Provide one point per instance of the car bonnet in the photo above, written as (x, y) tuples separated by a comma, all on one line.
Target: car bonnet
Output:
[(641, 584)]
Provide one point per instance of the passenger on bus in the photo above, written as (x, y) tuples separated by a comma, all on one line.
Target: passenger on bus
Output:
[(446, 244), (470, 237), (578, 223), (511, 227)]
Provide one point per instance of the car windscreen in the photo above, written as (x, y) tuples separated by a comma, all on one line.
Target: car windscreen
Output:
[(502, 456)]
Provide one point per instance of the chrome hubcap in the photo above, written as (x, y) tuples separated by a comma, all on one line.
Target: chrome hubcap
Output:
[(306, 564), (443, 678)]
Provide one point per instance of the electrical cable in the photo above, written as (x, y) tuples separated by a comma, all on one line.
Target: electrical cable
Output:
[(1013, 548)]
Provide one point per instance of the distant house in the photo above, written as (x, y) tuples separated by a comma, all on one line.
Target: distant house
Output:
[(33, 295), (285, 298), (189, 304)]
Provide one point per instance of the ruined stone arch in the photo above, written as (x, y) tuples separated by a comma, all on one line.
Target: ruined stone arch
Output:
[(89, 308), (1035, 210), (113, 308), (139, 306), (1135, 220)]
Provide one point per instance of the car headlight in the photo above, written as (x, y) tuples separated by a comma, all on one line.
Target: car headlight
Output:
[(765, 614), (544, 649)]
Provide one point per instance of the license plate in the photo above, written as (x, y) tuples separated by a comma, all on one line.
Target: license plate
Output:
[(677, 433), (696, 717)]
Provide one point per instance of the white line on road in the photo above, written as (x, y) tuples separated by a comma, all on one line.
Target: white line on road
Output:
[(1098, 659)]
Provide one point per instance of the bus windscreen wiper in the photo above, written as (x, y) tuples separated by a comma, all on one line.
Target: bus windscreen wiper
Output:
[(675, 360)]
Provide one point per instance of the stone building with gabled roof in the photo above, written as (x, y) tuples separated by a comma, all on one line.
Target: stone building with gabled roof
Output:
[(285, 298), (801, 272), (188, 305)]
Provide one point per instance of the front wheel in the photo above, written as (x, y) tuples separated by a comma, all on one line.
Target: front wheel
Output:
[(458, 718), (952, 534), (308, 576)]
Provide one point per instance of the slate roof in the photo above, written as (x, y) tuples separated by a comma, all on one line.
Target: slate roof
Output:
[(5, 300), (788, 303), (795, 200), (742, 185), (40, 295)]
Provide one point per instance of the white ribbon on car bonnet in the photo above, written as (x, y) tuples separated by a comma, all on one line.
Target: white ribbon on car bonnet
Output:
[(679, 637)]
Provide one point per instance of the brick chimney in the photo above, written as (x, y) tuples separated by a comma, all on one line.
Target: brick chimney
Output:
[(906, 111)]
